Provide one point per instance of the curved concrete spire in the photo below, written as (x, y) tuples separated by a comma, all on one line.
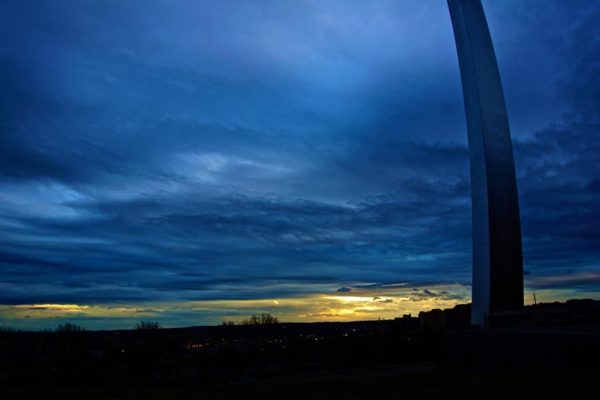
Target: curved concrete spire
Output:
[(497, 256)]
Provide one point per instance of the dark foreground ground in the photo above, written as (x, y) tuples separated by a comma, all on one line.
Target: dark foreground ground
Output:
[(386, 382), (547, 356)]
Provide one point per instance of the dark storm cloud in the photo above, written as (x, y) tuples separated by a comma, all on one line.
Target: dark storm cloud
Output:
[(230, 244), (226, 150)]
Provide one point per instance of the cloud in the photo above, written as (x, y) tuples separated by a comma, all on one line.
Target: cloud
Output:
[(572, 280), (382, 300)]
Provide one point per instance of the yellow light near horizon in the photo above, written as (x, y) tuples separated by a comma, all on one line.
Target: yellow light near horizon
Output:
[(72, 310), (361, 304), (61, 307), (350, 299)]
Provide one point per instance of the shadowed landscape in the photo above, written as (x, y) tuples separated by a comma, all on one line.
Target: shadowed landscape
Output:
[(555, 345)]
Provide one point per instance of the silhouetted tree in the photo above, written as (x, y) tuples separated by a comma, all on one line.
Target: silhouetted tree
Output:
[(148, 326), (69, 328), (261, 319), (70, 340), (227, 323)]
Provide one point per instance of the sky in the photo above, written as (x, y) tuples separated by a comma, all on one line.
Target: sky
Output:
[(190, 162)]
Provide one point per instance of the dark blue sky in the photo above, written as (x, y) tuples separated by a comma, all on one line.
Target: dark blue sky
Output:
[(192, 161)]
